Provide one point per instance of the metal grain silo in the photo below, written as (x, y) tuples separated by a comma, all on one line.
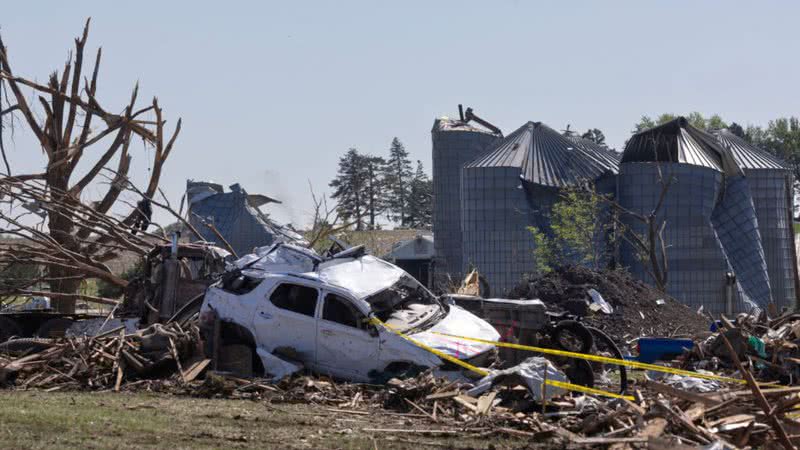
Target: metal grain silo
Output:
[(455, 142), (711, 229), (514, 186), (770, 183)]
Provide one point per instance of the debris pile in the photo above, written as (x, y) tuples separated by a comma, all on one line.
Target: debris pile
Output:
[(674, 411), (106, 361), (773, 346), (660, 416), (637, 309)]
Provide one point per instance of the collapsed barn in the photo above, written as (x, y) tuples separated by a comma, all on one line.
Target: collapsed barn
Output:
[(726, 205), (233, 216)]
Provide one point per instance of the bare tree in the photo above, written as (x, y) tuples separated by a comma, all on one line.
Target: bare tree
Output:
[(66, 120), (327, 220), (649, 246)]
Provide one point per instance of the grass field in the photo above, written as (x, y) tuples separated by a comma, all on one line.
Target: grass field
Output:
[(38, 420)]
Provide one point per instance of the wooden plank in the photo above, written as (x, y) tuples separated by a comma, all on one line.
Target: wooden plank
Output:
[(652, 429), (485, 403), (695, 412), (761, 400), (442, 395), (461, 401), (194, 370)]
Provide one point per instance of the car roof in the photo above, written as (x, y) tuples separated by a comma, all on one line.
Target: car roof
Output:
[(360, 275)]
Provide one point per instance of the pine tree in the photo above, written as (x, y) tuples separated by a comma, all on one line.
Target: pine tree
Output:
[(420, 200), (398, 182), (349, 188), (375, 196)]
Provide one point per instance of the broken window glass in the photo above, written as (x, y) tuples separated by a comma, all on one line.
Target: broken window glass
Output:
[(295, 298), (406, 305), (340, 310)]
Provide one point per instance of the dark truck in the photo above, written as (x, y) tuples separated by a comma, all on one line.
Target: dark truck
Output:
[(173, 281)]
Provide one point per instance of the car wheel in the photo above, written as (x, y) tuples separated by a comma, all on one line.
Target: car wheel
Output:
[(572, 336)]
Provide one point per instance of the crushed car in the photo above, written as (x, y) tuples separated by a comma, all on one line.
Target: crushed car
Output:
[(349, 315)]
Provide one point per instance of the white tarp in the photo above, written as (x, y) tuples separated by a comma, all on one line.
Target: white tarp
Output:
[(531, 371)]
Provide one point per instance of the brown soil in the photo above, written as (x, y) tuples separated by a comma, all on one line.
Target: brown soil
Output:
[(636, 312)]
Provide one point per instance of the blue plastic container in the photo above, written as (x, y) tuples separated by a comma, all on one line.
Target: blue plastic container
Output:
[(662, 349)]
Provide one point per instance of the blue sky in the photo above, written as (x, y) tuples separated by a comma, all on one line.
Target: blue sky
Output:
[(272, 93)]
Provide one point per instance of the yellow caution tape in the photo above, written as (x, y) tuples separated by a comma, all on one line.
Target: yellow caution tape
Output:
[(587, 390), (478, 370), (483, 372), (602, 359)]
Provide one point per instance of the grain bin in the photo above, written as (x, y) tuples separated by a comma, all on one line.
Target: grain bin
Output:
[(711, 230), (455, 143), (770, 181), (514, 186)]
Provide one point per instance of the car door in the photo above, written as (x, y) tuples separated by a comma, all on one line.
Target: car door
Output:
[(347, 346), (286, 320)]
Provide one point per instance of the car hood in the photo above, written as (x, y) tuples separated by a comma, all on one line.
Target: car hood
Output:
[(458, 322)]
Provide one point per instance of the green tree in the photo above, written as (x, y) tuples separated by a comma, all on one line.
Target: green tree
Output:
[(375, 183), (349, 188), (695, 118), (575, 232), (397, 175), (420, 200)]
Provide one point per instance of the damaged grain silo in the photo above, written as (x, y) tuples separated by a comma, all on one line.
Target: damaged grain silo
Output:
[(514, 186), (770, 183), (714, 252), (455, 142)]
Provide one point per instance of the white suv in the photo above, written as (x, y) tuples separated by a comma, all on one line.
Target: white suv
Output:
[(289, 299)]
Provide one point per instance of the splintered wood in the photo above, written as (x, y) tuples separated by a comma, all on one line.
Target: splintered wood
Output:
[(102, 362), (168, 359)]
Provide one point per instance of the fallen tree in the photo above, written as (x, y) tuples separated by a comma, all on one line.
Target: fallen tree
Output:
[(75, 237)]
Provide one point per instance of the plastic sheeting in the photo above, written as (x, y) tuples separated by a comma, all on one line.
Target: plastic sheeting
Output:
[(531, 371)]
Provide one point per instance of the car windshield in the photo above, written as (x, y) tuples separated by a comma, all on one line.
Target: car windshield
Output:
[(405, 305)]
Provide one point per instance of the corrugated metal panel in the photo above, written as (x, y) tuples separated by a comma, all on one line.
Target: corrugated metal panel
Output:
[(602, 149), (547, 158), (676, 142), (747, 155)]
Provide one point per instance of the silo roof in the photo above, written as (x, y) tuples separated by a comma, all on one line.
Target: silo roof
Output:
[(592, 145), (547, 158), (447, 124), (677, 141), (747, 155)]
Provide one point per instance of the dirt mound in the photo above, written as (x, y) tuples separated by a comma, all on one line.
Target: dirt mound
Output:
[(637, 311)]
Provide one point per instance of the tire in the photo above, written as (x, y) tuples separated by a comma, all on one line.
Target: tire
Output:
[(572, 330), (188, 310), (579, 371), (54, 328), (604, 340), (236, 359), (8, 329)]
